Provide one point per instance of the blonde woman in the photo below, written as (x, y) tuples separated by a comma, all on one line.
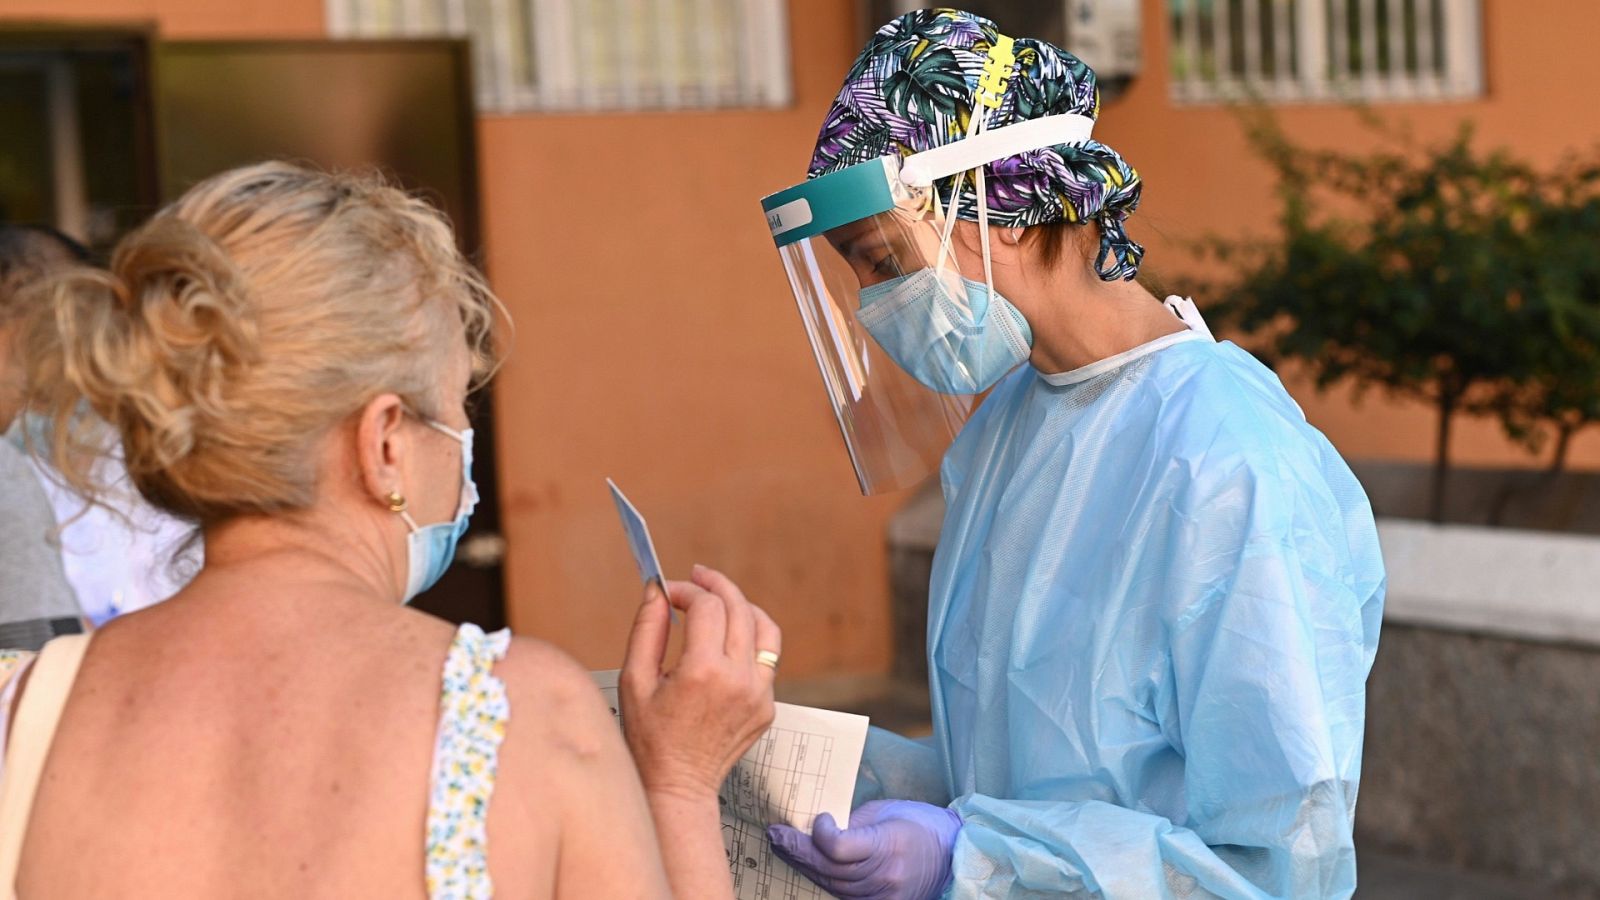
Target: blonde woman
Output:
[(285, 357)]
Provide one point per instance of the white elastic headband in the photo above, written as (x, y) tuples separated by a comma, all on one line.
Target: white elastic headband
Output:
[(923, 169)]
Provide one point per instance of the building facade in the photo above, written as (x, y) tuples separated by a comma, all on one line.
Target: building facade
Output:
[(656, 342)]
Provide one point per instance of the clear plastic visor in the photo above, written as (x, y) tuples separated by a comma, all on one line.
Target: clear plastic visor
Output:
[(895, 428)]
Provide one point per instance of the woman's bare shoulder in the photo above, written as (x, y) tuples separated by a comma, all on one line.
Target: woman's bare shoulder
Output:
[(559, 698), (577, 780)]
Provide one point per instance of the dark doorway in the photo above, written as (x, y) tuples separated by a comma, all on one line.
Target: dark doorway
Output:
[(77, 151)]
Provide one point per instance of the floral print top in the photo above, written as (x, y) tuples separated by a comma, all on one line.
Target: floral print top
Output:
[(473, 712), (12, 664)]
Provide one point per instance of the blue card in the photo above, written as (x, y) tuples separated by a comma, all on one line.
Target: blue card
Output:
[(644, 551)]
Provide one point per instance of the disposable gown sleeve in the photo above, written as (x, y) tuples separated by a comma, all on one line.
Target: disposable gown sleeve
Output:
[(900, 768), (1264, 700)]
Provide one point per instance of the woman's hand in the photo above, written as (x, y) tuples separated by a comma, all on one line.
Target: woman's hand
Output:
[(687, 727)]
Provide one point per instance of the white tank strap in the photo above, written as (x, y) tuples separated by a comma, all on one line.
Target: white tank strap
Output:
[(49, 685)]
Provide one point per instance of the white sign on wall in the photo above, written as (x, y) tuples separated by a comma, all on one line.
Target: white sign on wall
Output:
[(1105, 34)]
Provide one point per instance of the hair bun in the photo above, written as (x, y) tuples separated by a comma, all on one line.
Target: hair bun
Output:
[(190, 328), (241, 324)]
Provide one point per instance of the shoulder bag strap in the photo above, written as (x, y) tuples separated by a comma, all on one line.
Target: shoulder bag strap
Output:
[(32, 731)]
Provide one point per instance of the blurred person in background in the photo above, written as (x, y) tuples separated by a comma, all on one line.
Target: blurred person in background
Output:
[(1157, 590), (36, 601), (119, 553), (285, 357)]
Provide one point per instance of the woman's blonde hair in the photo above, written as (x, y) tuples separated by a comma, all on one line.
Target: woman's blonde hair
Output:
[(242, 323)]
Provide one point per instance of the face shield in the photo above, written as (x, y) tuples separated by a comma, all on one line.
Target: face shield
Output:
[(905, 339)]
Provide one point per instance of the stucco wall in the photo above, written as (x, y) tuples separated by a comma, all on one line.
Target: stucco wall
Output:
[(183, 18), (656, 342)]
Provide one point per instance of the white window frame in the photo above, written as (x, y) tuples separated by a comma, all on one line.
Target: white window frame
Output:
[(547, 55), (1441, 52)]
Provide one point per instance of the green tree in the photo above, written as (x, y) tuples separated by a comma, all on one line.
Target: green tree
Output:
[(1560, 392), (1463, 279)]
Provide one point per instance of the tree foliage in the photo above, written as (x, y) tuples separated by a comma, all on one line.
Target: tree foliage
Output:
[(1464, 279)]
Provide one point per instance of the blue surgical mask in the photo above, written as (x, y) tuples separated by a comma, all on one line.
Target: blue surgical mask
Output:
[(950, 346), (431, 548)]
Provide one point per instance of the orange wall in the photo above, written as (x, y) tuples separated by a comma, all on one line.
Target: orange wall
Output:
[(1200, 178), (657, 344), (185, 18)]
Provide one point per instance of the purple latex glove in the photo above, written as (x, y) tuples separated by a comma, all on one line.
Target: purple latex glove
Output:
[(893, 850)]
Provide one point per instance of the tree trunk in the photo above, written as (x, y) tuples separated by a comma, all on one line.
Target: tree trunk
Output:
[(1441, 456), (1563, 444)]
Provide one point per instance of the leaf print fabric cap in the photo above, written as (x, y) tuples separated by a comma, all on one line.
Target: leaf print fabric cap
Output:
[(912, 89)]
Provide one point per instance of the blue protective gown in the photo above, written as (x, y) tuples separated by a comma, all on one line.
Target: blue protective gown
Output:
[(1154, 606)]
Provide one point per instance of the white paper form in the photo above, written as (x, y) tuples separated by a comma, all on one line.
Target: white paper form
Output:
[(803, 766)]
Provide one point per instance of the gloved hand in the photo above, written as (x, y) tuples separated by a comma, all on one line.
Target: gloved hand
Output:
[(893, 850)]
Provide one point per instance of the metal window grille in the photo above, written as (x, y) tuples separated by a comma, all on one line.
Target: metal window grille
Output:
[(589, 55), (1295, 50)]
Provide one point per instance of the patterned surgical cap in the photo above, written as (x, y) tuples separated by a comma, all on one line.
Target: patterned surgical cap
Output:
[(912, 88)]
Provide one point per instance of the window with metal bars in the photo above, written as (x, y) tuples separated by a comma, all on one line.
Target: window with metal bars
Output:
[(1307, 50), (593, 55)]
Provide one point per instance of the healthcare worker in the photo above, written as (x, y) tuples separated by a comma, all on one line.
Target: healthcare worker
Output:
[(1157, 592)]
